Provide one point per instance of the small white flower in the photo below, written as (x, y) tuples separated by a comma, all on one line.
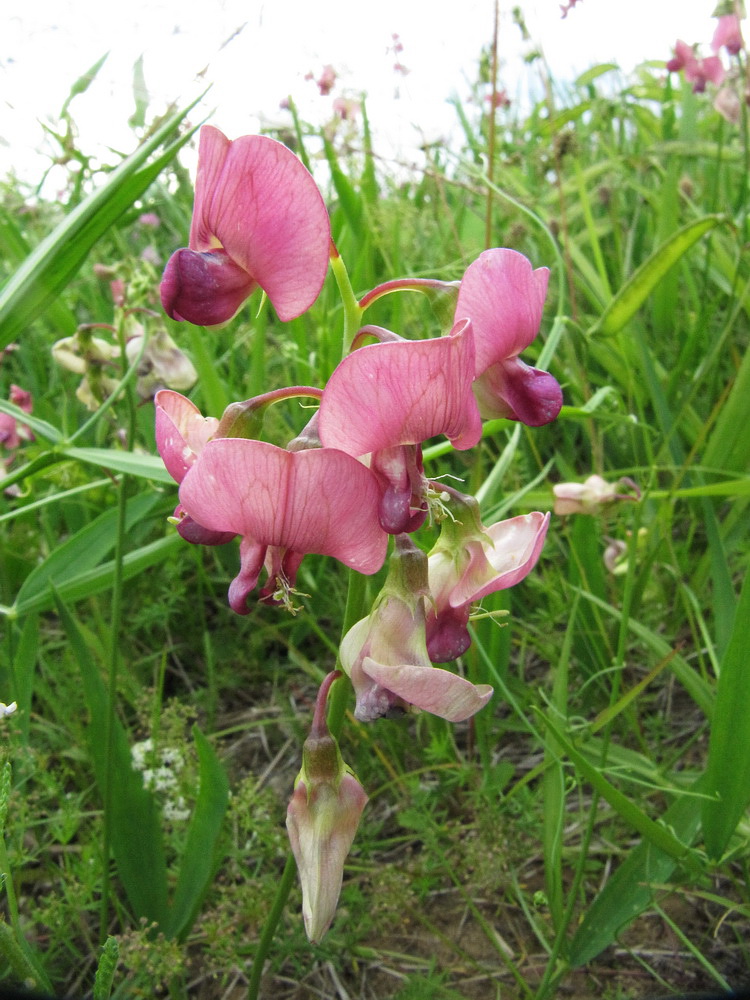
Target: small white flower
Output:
[(7, 709)]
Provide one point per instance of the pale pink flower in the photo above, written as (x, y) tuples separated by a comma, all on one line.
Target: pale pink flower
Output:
[(322, 820), (504, 298), (469, 562), (258, 220), (326, 80), (590, 496), (385, 654), (728, 35)]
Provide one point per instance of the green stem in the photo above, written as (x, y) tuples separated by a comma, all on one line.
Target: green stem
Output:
[(269, 930), (352, 310)]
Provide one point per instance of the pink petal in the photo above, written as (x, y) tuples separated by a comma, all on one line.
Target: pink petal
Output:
[(401, 393), (431, 689), (204, 288), (504, 298), (181, 431), (319, 500), (728, 34), (514, 390), (516, 545), (258, 201)]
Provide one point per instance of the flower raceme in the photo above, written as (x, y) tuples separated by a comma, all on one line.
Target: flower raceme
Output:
[(284, 504), (258, 220)]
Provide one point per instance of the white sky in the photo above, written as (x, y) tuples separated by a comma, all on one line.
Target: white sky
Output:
[(255, 52)]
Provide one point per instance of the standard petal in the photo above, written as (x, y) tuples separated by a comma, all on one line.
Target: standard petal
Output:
[(431, 689), (181, 431), (504, 297), (204, 288), (319, 500), (264, 208), (406, 392), (514, 390)]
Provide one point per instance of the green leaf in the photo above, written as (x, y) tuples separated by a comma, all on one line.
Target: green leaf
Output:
[(135, 824), (140, 94), (628, 892), (199, 859), (94, 581), (53, 263), (657, 834), (728, 768), (131, 463), (639, 286), (83, 83), (40, 427), (82, 552)]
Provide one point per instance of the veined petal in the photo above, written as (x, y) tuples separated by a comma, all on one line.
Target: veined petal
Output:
[(514, 390), (260, 203), (504, 298), (204, 288), (319, 500), (431, 689), (513, 550), (181, 431), (405, 392)]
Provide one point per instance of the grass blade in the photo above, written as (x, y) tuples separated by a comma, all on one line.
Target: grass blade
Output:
[(728, 768)]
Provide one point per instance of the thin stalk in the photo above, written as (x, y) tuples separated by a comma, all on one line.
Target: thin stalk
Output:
[(341, 690)]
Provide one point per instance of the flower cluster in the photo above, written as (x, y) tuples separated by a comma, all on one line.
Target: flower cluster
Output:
[(354, 476), (701, 71)]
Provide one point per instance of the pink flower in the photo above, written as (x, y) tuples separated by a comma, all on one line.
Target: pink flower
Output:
[(469, 562), (284, 504), (322, 819), (683, 56), (697, 71), (150, 219), (385, 399), (181, 432), (326, 80), (590, 496), (728, 35), (347, 108), (258, 220), (386, 657), (12, 433), (703, 71), (504, 298)]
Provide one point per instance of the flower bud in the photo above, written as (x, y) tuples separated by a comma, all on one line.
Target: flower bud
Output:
[(322, 819)]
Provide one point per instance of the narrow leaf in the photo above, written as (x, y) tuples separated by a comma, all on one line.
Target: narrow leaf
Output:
[(657, 834), (52, 264), (136, 830), (131, 463), (199, 858), (628, 892), (728, 769), (101, 578), (85, 550)]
